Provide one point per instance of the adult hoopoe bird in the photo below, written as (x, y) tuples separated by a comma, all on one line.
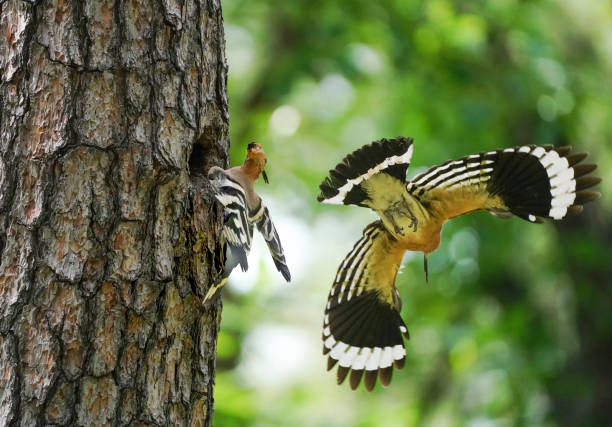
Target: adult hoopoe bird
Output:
[(362, 330), (242, 208)]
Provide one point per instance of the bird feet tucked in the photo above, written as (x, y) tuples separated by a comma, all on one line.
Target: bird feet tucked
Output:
[(414, 222), (397, 229), (400, 211)]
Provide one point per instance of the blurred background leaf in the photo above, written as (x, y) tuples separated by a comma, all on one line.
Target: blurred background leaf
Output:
[(515, 324)]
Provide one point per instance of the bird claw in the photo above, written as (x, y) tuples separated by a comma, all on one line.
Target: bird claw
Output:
[(414, 223), (402, 212)]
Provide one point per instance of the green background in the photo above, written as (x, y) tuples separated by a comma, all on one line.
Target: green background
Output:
[(515, 324)]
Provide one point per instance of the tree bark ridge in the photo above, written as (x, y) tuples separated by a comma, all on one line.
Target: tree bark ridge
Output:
[(107, 237)]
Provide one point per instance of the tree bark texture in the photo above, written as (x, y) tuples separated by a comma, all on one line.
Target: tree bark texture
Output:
[(108, 236)]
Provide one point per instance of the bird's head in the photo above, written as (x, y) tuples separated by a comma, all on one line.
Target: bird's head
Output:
[(256, 156)]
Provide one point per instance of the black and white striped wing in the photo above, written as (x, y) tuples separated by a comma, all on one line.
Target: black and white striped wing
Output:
[(345, 184), (362, 329), (269, 233), (237, 229), (531, 182)]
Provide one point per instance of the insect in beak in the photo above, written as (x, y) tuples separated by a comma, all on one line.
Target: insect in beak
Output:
[(265, 177)]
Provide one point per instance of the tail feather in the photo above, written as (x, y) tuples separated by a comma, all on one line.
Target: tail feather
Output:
[(390, 156), (235, 255)]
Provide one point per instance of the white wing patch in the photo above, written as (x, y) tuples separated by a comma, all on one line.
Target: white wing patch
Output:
[(562, 183), (477, 169), (354, 313), (389, 161)]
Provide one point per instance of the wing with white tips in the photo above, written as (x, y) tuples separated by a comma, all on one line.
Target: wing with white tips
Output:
[(530, 181), (362, 330)]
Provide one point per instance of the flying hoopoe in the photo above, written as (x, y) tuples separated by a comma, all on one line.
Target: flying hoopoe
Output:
[(362, 328), (242, 208)]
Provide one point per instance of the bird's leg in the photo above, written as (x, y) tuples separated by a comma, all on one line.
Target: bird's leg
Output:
[(401, 211), (414, 221), (411, 205), (389, 216), (406, 211), (399, 230)]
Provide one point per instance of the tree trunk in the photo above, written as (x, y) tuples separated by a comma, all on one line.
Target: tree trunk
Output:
[(107, 238)]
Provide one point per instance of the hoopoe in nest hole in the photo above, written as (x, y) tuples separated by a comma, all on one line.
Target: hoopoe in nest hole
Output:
[(243, 208)]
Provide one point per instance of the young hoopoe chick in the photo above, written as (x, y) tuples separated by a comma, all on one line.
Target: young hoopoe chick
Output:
[(362, 329), (243, 208)]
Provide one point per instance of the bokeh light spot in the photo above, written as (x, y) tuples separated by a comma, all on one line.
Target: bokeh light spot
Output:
[(285, 120)]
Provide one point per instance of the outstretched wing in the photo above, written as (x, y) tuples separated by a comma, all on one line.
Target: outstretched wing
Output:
[(362, 329), (237, 229), (531, 182), (268, 231), (387, 157)]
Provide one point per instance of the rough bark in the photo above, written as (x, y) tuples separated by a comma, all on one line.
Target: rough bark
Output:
[(108, 111)]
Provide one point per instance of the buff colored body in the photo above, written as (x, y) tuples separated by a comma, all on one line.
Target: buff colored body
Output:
[(412, 226)]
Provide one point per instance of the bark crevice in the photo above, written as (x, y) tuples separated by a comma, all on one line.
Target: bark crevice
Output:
[(107, 241)]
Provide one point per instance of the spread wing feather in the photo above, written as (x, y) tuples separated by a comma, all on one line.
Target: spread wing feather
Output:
[(270, 235), (344, 185), (237, 229), (362, 330), (531, 182)]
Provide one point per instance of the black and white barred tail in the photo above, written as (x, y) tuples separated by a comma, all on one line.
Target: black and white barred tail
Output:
[(391, 156), (362, 331), (534, 182)]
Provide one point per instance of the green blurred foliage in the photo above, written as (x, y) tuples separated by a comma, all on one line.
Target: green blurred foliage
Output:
[(515, 324)]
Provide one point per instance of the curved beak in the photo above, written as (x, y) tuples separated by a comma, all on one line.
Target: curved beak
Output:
[(265, 177)]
